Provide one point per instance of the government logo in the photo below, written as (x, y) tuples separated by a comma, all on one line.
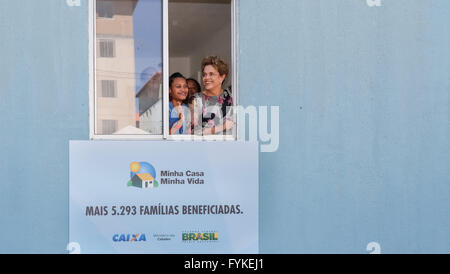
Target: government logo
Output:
[(129, 238), (142, 175)]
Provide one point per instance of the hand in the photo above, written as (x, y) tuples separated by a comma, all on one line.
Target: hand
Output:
[(176, 127), (228, 124), (181, 117)]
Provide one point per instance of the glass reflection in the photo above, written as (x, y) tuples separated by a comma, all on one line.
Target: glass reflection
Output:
[(129, 67)]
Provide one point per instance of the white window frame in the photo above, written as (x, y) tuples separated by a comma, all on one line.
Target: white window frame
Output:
[(166, 136)]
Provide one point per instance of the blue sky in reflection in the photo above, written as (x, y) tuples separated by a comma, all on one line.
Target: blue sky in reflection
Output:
[(148, 42)]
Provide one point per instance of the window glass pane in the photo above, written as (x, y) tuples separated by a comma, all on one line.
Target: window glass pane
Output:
[(108, 88), (107, 48), (105, 9), (200, 32), (109, 126), (129, 67)]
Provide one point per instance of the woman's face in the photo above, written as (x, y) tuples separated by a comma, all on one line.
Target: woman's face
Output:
[(211, 78), (192, 86), (179, 89)]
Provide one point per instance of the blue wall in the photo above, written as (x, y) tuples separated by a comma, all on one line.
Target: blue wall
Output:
[(44, 103), (365, 122)]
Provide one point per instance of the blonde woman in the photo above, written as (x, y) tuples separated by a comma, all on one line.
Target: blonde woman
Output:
[(213, 106)]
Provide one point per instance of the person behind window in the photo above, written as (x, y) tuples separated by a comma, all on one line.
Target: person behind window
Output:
[(179, 114), (213, 106), (194, 88)]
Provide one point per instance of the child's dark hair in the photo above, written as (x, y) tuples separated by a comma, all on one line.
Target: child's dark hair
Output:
[(175, 76), (199, 88)]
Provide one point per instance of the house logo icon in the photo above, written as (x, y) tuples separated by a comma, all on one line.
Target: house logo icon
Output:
[(142, 175)]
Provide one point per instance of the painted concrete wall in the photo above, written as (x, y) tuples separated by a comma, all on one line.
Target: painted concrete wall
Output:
[(365, 110)]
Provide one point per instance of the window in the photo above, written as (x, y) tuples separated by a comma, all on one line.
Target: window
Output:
[(109, 126), (105, 9), (108, 88), (107, 48), (141, 44)]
